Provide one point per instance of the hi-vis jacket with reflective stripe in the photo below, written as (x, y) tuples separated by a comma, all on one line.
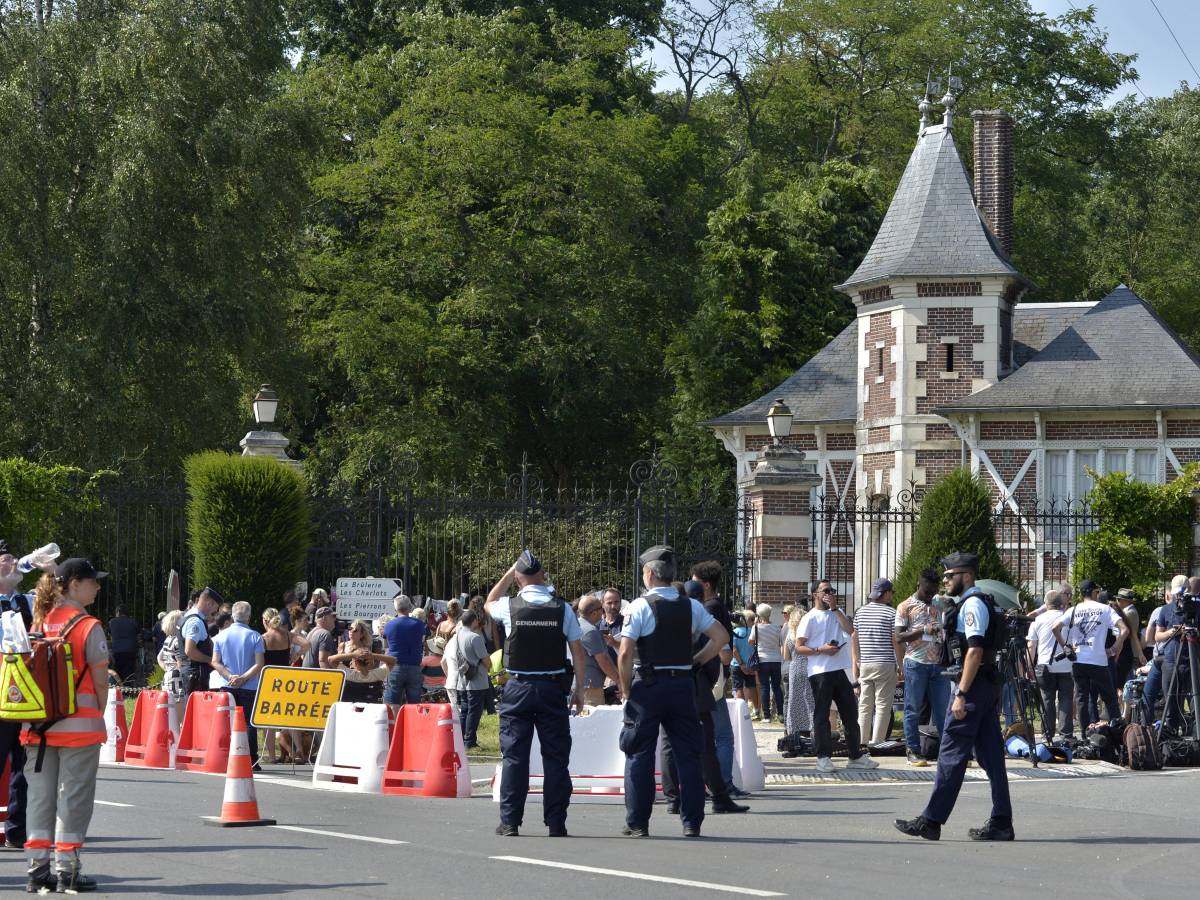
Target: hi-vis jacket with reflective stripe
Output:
[(86, 726)]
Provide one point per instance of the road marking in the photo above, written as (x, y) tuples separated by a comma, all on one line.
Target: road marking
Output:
[(114, 803), (620, 873), (339, 834)]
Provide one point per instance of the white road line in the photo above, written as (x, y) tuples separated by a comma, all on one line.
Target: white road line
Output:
[(620, 873), (113, 803), (339, 834)]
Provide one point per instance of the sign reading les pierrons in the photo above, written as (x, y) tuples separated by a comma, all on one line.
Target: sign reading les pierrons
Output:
[(365, 598), (296, 698)]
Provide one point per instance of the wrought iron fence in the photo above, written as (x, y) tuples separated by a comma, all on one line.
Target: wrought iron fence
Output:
[(437, 544), (865, 539), (449, 544)]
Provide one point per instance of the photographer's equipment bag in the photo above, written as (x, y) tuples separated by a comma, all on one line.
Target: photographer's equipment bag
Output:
[(930, 741), (1180, 753), (1141, 748)]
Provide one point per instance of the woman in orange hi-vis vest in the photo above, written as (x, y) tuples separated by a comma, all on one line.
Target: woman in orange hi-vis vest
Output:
[(62, 793)]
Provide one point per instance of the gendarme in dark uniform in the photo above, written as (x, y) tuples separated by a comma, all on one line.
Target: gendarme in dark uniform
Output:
[(661, 627), (974, 632), (538, 628), (194, 639)]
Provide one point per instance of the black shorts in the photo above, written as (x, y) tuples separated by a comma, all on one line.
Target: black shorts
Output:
[(742, 679)]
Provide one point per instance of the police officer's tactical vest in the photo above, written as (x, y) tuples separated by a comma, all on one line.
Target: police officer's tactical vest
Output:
[(954, 646), (197, 671), (671, 642), (535, 642)]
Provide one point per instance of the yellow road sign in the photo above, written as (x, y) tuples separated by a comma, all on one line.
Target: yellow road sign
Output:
[(296, 698)]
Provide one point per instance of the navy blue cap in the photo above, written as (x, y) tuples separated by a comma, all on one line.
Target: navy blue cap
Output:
[(694, 589), (528, 564), (658, 552), (77, 568), (960, 561)]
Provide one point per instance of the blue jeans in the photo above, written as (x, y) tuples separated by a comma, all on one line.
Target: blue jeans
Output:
[(1152, 690), (723, 732), (923, 681), (470, 710), (770, 681), (404, 685)]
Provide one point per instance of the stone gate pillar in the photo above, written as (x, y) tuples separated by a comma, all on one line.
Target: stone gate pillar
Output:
[(778, 525)]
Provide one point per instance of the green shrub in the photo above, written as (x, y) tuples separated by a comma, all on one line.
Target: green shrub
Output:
[(956, 514), (249, 525), (1136, 520), (36, 501)]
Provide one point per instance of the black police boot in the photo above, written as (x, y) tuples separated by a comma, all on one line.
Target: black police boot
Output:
[(723, 803), (558, 831), (40, 878), (691, 831), (638, 831), (993, 830), (506, 830), (919, 827)]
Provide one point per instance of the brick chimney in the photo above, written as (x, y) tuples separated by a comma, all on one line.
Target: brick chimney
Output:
[(994, 172)]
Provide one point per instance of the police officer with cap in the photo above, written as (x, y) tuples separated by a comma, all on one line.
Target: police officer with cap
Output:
[(196, 665), (973, 629), (539, 627), (660, 628)]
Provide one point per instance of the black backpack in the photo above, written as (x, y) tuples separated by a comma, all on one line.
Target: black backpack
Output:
[(1142, 753), (1180, 752)]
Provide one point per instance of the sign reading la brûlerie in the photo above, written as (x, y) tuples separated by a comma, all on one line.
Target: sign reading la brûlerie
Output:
[(365, 598), (296, 698)]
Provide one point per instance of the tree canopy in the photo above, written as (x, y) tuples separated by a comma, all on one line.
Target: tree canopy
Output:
[(464, 232)]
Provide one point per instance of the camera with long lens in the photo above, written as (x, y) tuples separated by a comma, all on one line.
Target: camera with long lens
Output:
[(1187, 608), (1069, 653)]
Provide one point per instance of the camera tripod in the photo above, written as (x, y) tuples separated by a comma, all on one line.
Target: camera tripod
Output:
[(1191, 637), (1013, 661)]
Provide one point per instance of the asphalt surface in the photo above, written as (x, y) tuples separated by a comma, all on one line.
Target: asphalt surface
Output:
[(1121, 836)]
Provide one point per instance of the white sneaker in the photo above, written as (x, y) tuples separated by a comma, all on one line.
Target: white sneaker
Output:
[(825, 764), (863, 762)]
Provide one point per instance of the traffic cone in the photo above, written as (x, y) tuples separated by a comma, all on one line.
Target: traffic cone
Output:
[(240, 808), (160, 746)]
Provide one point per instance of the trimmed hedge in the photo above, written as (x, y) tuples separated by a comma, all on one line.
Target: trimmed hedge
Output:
[(956, 514), (249, 526)]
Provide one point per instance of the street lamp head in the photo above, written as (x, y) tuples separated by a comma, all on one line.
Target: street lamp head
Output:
[(266, 401), (779, 420)]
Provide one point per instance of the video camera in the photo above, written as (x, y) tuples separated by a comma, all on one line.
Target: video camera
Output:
[(1187, 608)]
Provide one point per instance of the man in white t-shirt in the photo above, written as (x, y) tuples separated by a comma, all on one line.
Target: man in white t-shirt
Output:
[(823, 635), (1084, 628), (1053, 675)]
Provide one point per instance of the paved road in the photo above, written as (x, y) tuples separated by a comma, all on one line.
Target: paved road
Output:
[(1088, 837)]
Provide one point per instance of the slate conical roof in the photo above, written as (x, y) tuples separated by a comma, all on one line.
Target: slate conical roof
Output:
[(1117, 355), (932, 227)]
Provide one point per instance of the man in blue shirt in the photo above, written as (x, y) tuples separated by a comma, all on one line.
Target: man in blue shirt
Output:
[(661, 628), (239, 653), (539, 628), (973, 722), (11, 599), (1176, 672), (405, 637)]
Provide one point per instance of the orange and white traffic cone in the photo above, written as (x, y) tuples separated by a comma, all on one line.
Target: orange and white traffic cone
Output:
[(240, 808)]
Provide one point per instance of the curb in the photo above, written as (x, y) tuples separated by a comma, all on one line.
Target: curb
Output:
[(901, 776)]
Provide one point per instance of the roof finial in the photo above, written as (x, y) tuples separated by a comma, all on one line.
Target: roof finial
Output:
[(926, 105), (953, 83)]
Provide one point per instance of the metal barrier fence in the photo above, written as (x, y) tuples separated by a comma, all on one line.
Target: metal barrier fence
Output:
[(437, 544), (854, 544)]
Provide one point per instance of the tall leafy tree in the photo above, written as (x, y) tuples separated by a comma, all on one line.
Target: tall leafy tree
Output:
[(149, 183), (494, 265)]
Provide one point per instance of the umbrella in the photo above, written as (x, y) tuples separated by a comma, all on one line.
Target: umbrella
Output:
[(1006, 597)]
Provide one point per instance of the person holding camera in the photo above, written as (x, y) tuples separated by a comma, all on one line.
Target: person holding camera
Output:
[(974, 633), (823, 635), (1176, 680), (1082, 632), (1053, 673)]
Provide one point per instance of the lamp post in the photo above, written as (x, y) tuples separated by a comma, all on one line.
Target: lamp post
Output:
[(264, 441), (779, 421)]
